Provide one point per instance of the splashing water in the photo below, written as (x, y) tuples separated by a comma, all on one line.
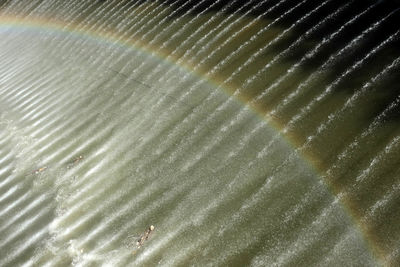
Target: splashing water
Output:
[(249, 133)]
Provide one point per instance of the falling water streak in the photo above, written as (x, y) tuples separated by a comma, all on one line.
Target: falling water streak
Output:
[(14, 188), (212, 115), (343, 155), (226, 29), (177, 190), (239, 216), (200, 41), (23, 211), (31, 115), (10, 7), (11, 70), (94, 20), (91, 185), (301, 244), (172, 24), (304, 111), (31, 242), (96, 25), (301, 206), (76, 13), (349, 102), (181, 100), (358, 64), (159, 120), (117, 16), (39, 132), (368, 132), (122, 163), (23, 9), (376, 160), (121, 56), (245, 44), (84, 23), (87, 186), (207, 120), (394, 254), (201, 214), (6, 94), (43, 118), (306, 57), (49, 7), (163, 45), (188, 250), (193, 87), (222, 134), (9, 193), (292, 46), (12, 207), (26, 224), (339, 196), (264, 48), (154, 16), (23, 92), (44, 147), (188, 140), (167, 74), (314, 221), (236, 34), (22, 108), (185, 27), (343, 194), (89, 201), (130, 22), (13, 74), (243, 143), (101, 25), (88, 130), (180, 60), (377, 78), (151, 207), (31, 106), (41, 6), (372, 213), (360, 179), (331, 258)]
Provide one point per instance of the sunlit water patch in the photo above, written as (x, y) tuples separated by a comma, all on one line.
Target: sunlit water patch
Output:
[(252, 133)]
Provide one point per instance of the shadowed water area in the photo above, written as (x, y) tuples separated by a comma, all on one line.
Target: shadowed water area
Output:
[(249, 133)]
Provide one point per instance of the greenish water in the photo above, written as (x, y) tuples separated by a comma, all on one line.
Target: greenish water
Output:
[(299, 168)]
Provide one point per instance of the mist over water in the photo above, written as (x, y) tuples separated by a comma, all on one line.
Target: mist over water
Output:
[(249, 133)]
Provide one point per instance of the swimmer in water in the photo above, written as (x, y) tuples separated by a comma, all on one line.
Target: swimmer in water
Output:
[(75, 161), (39, 170), (144, 236)]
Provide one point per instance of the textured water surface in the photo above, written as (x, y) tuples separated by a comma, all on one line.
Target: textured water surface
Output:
[(259, 133)]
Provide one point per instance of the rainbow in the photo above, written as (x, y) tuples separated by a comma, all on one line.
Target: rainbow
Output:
[(76, 30)]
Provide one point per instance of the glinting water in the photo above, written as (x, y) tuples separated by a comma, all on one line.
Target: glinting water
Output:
[(249, 133)]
